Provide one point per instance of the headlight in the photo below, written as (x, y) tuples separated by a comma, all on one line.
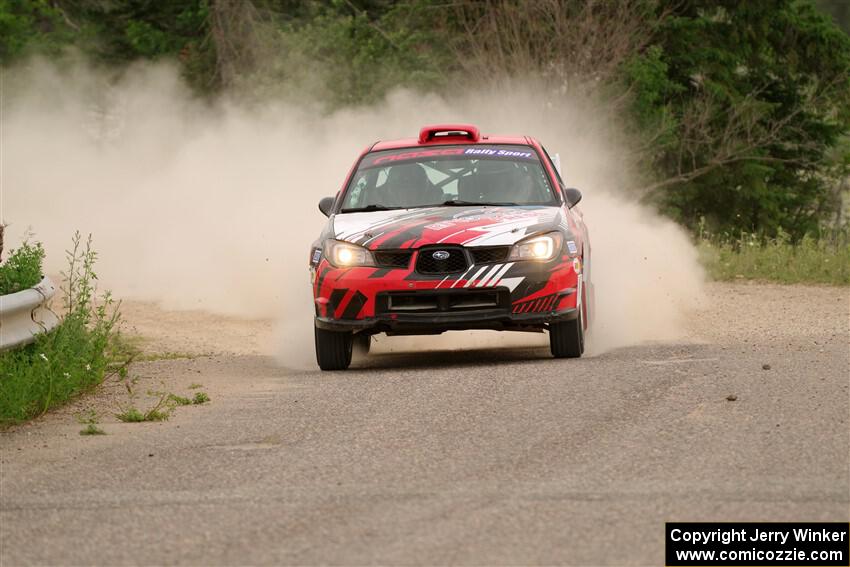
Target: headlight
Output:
[(543, 247), (343, 254)]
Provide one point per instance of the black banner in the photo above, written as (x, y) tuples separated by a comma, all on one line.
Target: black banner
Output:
[(691, 544)]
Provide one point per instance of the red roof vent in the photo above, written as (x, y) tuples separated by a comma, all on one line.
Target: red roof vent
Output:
[(440, 132)]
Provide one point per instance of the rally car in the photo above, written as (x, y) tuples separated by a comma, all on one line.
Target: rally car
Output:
[(451, 231)]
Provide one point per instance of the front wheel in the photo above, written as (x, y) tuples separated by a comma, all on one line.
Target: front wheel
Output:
[(333, 349), (566, 338)]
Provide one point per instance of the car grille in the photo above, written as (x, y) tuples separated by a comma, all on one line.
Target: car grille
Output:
[(393, 258), (489, 255), (455, 263), (427, 264), (450, 301)]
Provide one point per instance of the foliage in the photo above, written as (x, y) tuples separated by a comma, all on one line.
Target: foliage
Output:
[(749, 256), (839, 10), (363, 48), (92, 429), (22, 269), (90, 420), (160, 411), (130, 415), (337, 53), (179, 400), (111, 32), (28, 26), (70, 359), (158, 414), (169, 355), (756, 110), (737, 108), (200, 398), (164, 405)]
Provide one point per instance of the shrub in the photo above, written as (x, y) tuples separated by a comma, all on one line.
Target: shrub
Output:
[(22, 270)]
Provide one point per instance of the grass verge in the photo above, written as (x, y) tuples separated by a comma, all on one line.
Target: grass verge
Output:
[(76, 356), (824, 260)]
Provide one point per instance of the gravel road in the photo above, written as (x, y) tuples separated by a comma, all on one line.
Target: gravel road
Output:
[(474, 457)]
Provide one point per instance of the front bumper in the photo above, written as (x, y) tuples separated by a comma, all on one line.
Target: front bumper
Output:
[(511, 296), (499, 319)]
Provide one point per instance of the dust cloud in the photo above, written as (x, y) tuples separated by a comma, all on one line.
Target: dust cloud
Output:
[(212, 206)]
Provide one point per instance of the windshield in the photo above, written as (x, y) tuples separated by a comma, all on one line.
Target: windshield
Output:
[(449, 175)]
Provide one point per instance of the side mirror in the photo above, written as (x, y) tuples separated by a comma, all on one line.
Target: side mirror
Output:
[(325, 205), (573, 196)]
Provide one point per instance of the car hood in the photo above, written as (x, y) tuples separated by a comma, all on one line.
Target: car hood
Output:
[(470, 226)]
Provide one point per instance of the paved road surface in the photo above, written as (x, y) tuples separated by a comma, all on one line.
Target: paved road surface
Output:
[(478, 457)]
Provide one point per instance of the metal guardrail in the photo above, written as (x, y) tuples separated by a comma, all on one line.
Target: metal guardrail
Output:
[(25, 314)]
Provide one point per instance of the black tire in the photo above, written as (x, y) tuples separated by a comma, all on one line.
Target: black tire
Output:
[(362, 343), (333, 349), (566, 339)]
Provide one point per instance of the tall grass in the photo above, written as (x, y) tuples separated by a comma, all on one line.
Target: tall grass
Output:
[(75, 356), (825, 259)]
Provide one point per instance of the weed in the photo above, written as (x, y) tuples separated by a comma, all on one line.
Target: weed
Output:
[(92, 429), (200, 398), (130, 346), (88, 417), (158, 415), (160, 411), (124, 349), (130, 415), (166, 356), (179, 400), (195, 386)]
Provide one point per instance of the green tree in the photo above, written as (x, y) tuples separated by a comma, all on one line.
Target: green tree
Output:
[(741, 106), (112, 32), (839, 10), (359, 51), (28, 26), (753, 96)]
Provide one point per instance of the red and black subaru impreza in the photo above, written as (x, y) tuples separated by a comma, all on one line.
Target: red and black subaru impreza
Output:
[(451, 231)]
